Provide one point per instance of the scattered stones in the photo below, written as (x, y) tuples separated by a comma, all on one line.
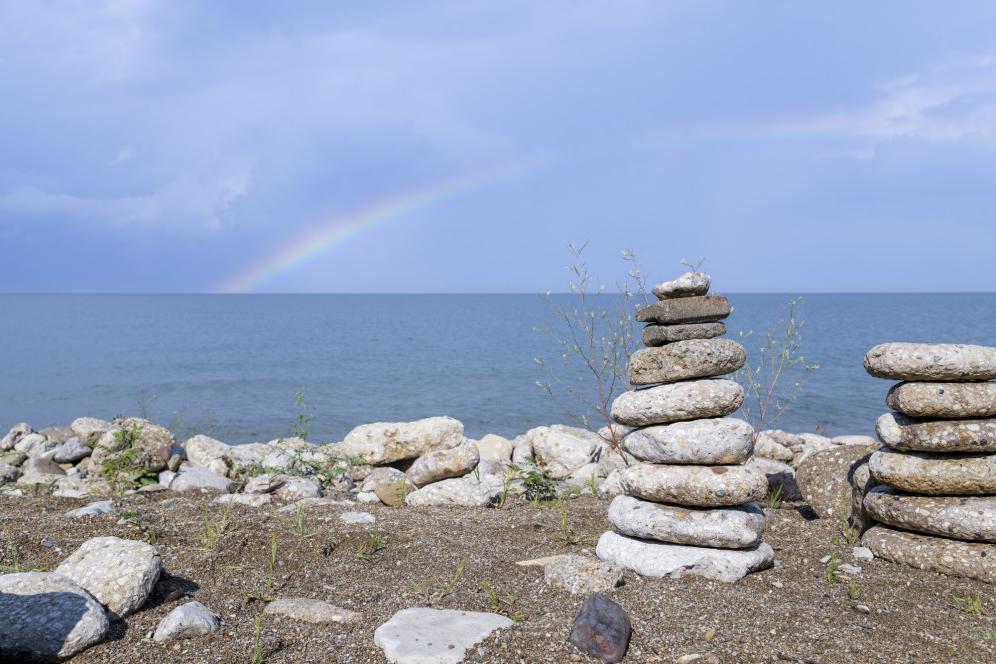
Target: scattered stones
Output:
[(936, 554), (465, 491), (93, 509), (688, 284), (357, 517), (944, 400), (47, 617), (658, 335), (560, 450), (674, 402), (313, 611), (443, 464), (581, 575), (602, 629), (966, 518), (191, 477), (71, 451), (931, 362), (187, 621), (386, 442), (696, 486), (824, 479), (903, 433), (119, 573), (678, 311), (723, 440), (935, 474), (681, 360), (439, 636)]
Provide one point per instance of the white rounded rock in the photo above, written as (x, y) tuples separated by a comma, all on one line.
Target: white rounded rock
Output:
[(443, 464), (727, 528), (675, 402), (649, 558), (723, 440), (696, 486), (119, 573), (187, 621)]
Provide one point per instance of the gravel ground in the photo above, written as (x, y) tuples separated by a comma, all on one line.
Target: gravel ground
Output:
[(786, 614)]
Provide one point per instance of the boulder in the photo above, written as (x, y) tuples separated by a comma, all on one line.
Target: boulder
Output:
[(696, 486), (296, 488), (247, 499), (931, 362), (191, 477), (943, 400), (824, 479), (769, 446), (39, 466), (903, 433), (35, 444), (728, 528), (681, 360), (658, 335), (241, 457), (440, 636), (687, 285), (119, 573), (71, 451), (935, 474), (522, 450), (495, 453), (90, 430), (394, 494), (971, 560), (722, 440), (8, 472), (694, 309), (47, 617), (58, 435), (601, 629), (466, 491), (381, 476), (809, 444), (442, 464), (187, 621), (133, 445), (675, 402), (560, 450), (649, 558), (387, 442), (964, 518), (778, 475), (580, 575), (208, 452), (313, 611), (14, 436)]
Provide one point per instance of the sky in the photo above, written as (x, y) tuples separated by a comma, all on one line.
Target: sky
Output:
[(173, 146)]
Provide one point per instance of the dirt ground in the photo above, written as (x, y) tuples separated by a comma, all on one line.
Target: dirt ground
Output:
[(785, 614)]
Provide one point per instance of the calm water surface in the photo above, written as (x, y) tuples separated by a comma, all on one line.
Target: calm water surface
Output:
[(228, 365)]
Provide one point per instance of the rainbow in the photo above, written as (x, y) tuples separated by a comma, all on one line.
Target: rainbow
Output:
[(340, 229)]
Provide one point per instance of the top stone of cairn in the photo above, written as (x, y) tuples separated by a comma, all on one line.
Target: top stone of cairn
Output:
[(687, 285), (931, 362)]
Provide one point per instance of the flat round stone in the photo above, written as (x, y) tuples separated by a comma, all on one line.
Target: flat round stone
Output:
[(658, 335), (649, 558), (695, 358), (935, 474), (904, 433), (964, 518), (945, 400), (945, 362), (698, 309), (723, 440), (696, 486), (936, 554), (728, 528), (675, 402)]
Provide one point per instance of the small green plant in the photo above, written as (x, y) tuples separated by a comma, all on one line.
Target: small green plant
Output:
[(16, 565), (568, 535), (426, 588), (300, 528), (371, 547), (215, 528), (852, 590), (988, 634), (536, 484), (970, 605), (257, 646), (303, 423), (457, 575), (501, 602), (775, 497), (121, 466), (831, 575), (508, 478)]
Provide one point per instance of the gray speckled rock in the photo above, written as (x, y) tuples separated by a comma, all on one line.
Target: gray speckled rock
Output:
[(386, 442), (442, 464), (649, 558), (8, 472), (580, 575), (191, 477), (90, 429), (727, 528), (187, 621), (466, 491), (14, 436), (767, 445), (965, 518), (119, 573), (724, 440), (778, 474), (71, 451), (696, 486), (93, 509), (296, 488), (945, 362), (382, 476), (903, 433), (697, 309), (658, 335), (436, 636), (47, 616), (495, 453), (134, 444), (674, 402), (687, 285), (824, 479), (208, 452), (936, 554), (935, 474), (861, 483), (681, 360), (560, 450), (35, 444), (943, 400), (313, 611)]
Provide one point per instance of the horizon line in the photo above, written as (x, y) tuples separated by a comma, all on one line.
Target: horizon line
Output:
[(429, 293)]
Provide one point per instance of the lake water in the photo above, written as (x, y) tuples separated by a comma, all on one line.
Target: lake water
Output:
[(228, 364)]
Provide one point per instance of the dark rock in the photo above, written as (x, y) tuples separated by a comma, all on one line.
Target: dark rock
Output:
[(658, 335), (701, 309), (602, 629)]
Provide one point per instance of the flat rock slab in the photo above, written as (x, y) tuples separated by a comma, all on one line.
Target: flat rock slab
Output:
[(649, 558), (119, 573), (658, 335), (187, 621), (945, 362), (580, 575), (466, 491), (935, 474), (936, 554), (602, 629), (824, 479), (943, 400), (47, 617), (965, 518), (675, 402), (435, 636), (681, 360), (721, 440), (687, 285), (314, 611), (698, 309), (726, 528), (444, 464), (93, 509), (191, 477), (903, 433), (696, 486)]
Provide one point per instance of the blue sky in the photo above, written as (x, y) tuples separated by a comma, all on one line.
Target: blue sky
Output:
[(177, 146)]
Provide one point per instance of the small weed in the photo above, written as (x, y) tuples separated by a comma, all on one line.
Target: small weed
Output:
[(448, 589), (989, 634), (215, 529), (303, 423), (775, 498), (371, 547), (852, 590), (508, 478), (257, 647), (426, 588), (502, 603), (536, 484), (970, 605), (16, 565), (567, 533), (831, 575), (300, 522)]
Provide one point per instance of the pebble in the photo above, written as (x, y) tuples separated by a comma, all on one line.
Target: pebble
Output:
[(601, 629)]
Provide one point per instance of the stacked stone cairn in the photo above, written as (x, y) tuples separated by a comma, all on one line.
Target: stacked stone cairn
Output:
[(688, 503), (936, 496)]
